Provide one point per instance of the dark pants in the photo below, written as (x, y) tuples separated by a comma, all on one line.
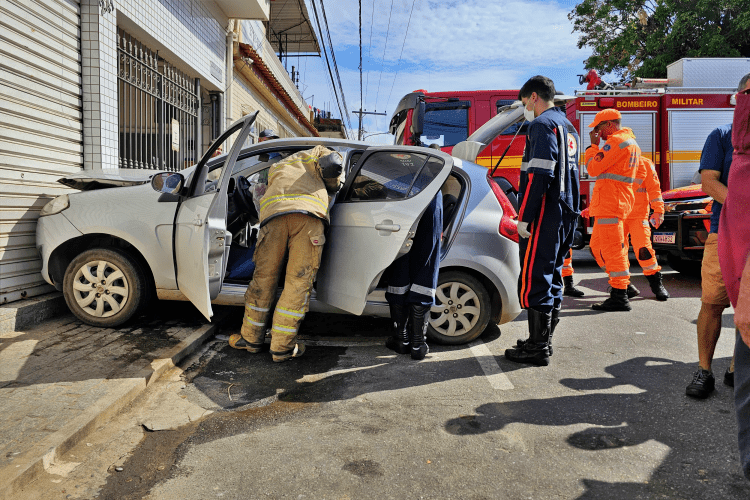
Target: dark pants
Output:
[(542, 256), (742, 401), (412, 278)]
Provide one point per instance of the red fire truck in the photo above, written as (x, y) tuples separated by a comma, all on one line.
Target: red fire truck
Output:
[(671, 119)]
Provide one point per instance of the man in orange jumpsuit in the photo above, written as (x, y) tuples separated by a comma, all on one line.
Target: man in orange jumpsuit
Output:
[(647, 194), (614, 166), (569, 288)]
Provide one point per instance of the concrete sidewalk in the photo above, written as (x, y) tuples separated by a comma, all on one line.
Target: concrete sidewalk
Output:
[(63, 379)]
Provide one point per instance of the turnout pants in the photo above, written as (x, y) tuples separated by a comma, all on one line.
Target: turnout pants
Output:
[(413, 276), (608, 247), (542, 255), (567, 268), (640, 237), (300, 237)]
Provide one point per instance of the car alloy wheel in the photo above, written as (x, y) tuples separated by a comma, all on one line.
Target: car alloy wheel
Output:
[(100, 288), (461, 311)]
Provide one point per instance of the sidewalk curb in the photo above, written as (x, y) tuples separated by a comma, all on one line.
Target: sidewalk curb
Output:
[(27, 313), (32, 464)]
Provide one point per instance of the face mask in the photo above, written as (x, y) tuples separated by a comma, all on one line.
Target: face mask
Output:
[(528, 114)]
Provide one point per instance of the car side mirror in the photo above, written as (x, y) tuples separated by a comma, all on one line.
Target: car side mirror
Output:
[(168, 182), (417, 121)]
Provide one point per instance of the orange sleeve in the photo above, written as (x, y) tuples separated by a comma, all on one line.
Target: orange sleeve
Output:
[(600, 160), (651, 183)]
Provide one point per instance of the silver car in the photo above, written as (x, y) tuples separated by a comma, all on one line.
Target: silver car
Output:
[(129, 236)]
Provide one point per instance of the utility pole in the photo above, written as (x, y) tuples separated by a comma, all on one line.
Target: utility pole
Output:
[(360, 113)]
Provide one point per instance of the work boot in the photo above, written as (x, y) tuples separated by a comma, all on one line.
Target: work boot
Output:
[(654, 281), (238, 342), (617, 301), (570, 290), (280, 357), (420, 316), (535, 350), (555, 320), (632, 291), (399, 341)]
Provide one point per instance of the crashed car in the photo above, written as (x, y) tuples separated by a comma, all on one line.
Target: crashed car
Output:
[(129, 236)]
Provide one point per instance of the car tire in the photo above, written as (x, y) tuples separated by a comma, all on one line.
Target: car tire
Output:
[(108, 304), (684, 266), (468, 309)]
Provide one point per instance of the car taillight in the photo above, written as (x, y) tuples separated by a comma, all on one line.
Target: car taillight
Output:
[(508, 226)]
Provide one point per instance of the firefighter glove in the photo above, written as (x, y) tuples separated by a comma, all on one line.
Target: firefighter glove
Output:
[(656, 219), (523, 229), (331, 165)]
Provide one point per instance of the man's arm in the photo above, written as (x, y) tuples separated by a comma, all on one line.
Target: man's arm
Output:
[(598, 161), (742, 311), (713, 186)]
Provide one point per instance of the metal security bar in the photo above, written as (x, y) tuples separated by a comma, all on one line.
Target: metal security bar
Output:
[(158, 108)]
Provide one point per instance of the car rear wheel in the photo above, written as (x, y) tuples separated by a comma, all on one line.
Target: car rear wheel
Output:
[(461, 311), (104, 287)]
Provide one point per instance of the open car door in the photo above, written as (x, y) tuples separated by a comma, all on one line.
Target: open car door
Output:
[(374, 219), (200, 234)]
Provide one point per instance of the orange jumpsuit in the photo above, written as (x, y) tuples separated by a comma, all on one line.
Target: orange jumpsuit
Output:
[(614, 166), (647, 194), (567, 268)]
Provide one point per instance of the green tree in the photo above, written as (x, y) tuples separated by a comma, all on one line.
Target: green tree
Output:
[(641, 37)]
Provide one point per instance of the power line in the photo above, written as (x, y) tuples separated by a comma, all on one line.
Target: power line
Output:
[(369, 49), (398, 66), (382, 62), (361, 91), (328, 64), (335, 66)]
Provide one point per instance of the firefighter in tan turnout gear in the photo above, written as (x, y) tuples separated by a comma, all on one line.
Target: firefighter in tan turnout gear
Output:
[(293, 212)]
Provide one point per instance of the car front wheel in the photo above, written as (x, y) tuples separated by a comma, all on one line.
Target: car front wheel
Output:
[(104, 287), (461, 311)]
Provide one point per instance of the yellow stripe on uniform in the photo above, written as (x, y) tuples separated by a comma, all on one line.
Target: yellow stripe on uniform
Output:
[(285, 197)]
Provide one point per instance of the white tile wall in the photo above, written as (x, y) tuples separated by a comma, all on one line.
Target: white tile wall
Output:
[(185, 27)]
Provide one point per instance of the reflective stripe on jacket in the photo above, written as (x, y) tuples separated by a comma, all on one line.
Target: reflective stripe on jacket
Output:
[(614, 166), (295, 184), (647, 191)]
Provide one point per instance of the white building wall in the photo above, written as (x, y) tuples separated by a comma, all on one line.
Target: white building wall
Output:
[(188, 34)]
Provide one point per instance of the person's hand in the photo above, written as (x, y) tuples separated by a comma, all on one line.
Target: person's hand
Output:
[(523, 230), (594, 135), (585, 213), (656, 219)]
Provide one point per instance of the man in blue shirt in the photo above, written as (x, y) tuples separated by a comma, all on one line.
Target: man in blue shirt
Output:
[(716, 159)]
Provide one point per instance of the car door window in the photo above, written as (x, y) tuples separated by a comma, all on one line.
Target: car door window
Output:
[(388, 175)]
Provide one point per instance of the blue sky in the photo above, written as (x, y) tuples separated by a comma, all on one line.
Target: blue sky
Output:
[(467, 45)]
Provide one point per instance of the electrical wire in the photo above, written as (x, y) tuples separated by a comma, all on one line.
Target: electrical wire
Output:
[(382, 62), (398, 65), (369, 50), (361, 91), (335, 66), (328, 64)]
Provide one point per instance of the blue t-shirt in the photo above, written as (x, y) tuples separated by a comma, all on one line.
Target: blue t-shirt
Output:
[(717, 155)]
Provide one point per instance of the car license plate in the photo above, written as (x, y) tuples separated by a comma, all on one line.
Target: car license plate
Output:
[(668, 238)]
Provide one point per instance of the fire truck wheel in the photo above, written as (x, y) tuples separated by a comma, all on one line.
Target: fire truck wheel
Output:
[(684, 266)]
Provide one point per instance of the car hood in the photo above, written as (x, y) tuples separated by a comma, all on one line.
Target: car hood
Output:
[(90, 180)]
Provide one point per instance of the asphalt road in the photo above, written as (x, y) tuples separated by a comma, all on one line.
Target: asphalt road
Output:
[(608, 419)]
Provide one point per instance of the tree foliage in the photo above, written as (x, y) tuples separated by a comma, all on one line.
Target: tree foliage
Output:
[(641, 37)]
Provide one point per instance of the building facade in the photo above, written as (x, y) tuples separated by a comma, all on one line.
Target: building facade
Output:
[(107, 84)]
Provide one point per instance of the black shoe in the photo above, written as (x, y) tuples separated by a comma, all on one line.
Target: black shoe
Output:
[(569, 289), (420, 316), (729, 378), (702, 384), (654, 281), (632, 291), (399, 342), (617, 301)]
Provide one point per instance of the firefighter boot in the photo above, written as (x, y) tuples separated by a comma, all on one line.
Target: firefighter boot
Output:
[(632, 291), (654, 281), (536, 350), (420, 316), (555, 320), (399, 341), (570, 290), (617, 301)]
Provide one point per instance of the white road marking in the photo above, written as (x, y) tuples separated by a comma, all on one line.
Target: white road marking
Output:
[(497, 379)]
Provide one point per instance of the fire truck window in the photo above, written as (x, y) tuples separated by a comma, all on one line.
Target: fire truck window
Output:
[(445, 126), (386, 176)]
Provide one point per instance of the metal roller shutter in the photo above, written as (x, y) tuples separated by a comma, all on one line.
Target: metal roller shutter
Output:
[(40, 131), (642, 124), (688, 130)]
